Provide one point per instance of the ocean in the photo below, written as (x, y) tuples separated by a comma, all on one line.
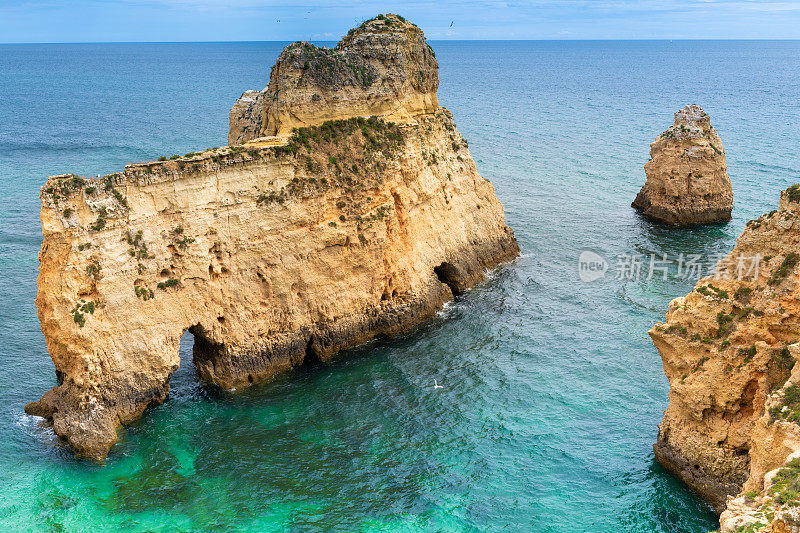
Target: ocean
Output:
[(552, 389)]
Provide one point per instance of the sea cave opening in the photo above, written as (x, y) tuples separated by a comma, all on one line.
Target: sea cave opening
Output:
[(448, 274), (196, 352), (185, 376)]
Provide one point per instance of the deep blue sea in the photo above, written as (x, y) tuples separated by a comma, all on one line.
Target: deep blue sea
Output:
[(553, 390)]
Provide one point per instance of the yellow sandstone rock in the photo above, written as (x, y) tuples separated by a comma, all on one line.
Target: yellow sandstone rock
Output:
[(729, 351), (383, 68), (687, 180), (271, 253)]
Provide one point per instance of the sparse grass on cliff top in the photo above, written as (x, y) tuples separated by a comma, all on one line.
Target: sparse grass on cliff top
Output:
[(349, 154), (328, 68), (785, 487), (785, 268), (711, 290), (388, 20), (379, 135), (793, 193), (789, 409)]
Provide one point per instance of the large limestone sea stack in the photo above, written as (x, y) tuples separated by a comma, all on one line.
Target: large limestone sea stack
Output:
[(687, 178), (730, 351), (323, 227)]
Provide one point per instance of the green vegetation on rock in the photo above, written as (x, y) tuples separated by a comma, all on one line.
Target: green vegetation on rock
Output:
[(785, 268)]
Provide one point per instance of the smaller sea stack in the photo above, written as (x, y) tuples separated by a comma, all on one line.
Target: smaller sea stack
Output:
[(687, 179)]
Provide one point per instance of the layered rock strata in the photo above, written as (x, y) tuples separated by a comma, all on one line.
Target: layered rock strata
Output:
[(383, 68), (277, 252), (687, 178), (729, 351)]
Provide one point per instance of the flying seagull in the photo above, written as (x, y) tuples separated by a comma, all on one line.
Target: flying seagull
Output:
[(451, 23), (436, 385)]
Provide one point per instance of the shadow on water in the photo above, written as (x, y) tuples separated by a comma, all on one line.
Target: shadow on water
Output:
[(186, 382), (652, 237)]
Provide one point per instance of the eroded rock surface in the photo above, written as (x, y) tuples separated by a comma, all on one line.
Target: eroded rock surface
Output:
[(687, 177), (383, 68), (271, 253), (729, 351)]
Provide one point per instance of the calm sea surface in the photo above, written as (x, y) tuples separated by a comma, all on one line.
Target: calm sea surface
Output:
[(553, 390)]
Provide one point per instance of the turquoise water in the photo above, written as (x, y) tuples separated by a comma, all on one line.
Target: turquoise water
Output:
[(553, 390)]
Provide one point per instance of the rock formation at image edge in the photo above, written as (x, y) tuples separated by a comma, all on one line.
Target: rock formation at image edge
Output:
[(729, 349)]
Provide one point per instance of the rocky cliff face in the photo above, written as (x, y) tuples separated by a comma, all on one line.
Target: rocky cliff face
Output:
[(729, 351), (383, 68), (687, 180), (271, 253)]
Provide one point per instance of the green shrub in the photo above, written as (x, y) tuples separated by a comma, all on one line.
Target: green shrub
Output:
[(164, 285), (100, 223), (678, 329), (742, 294), (138, 247), (143, 292), (785, 268), (725, 322), (93, 269), (119, 198), (700, 363), (793, 193), (271, 197), (83, 308), (748, 353), (785, 487), (184, 243)]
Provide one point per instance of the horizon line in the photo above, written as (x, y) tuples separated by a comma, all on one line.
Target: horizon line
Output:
[(665, 39)]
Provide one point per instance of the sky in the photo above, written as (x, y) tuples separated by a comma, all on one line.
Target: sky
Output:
[(280, 20)]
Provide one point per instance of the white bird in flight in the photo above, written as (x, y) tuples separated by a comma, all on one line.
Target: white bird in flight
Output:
[(436, 385)]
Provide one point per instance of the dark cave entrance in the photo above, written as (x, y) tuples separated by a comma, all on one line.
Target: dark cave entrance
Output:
[(449, 275), (197, 355), (185, 376), (311, 358)]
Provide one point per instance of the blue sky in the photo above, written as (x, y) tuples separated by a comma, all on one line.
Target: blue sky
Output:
[(268, 20)]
